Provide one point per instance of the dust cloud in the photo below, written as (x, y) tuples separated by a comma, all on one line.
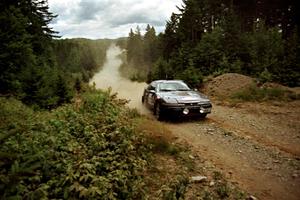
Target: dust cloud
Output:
[(110, 76)]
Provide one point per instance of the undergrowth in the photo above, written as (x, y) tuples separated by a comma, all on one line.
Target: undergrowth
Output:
[(254, 93), (86, 151)]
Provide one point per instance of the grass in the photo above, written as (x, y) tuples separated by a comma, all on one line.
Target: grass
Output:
[(158, 137), (257, 94)]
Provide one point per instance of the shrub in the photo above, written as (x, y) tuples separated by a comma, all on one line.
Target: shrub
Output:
[(85, 152), (192, 76), (254, 93)]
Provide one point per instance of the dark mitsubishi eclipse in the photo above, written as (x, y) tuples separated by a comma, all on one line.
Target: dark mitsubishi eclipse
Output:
[(175, 98)]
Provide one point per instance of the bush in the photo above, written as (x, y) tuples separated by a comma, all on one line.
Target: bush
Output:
[(88, 151), (265, 76), (254, 93), (191, 76)]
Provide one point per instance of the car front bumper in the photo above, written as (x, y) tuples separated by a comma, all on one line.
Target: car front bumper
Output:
[(186, 109)]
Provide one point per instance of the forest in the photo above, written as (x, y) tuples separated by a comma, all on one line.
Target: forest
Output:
[(36, 66), (255, 38)]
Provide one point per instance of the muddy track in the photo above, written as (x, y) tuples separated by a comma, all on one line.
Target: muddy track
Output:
[(256, 146)]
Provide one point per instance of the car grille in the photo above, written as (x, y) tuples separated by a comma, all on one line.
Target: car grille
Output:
[(206, 105), (191, 104)]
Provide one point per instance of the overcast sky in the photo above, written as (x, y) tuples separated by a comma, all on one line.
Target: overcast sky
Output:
[(109, 18)]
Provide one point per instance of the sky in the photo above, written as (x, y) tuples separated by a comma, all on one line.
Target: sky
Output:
[(112, 19)]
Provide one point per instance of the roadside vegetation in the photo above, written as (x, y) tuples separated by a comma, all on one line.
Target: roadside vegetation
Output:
[(81, 151), (258, 94)]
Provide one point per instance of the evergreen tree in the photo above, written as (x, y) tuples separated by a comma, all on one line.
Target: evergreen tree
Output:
[(150, 45), (28, 66), (16, 52), (135, 49)]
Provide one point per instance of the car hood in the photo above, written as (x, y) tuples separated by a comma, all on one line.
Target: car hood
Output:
[(184, 96)]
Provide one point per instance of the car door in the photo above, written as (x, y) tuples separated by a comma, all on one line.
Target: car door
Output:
[(151, 95)]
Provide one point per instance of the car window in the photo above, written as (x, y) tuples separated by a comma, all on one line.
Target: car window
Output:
[(150, 87), (173, 86)]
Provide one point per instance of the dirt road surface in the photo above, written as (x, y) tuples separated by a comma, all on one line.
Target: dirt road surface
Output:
[(257, 151), (110, 76), (256, 146)]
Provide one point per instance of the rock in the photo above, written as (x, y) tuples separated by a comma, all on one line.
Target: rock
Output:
[(295, 175), (210, 130), (212, 183), (198, 179), (252, 198), (191, 157)]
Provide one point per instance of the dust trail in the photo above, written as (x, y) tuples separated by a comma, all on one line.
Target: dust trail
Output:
[(110, 76)]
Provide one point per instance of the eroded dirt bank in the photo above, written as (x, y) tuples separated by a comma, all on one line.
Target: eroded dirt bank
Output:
[(255, 145)]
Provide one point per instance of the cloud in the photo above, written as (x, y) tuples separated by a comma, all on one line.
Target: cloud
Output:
[(109, 18)]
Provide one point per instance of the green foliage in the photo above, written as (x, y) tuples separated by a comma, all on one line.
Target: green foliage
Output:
[(265, 76), (142, 52), (135, 49), (191, 76), (137, 77), (35, 68), (223, 190), (266, 50), (209, 53), (163, 146), (289, 72), (25, 39), (86, 151), (254, 93), (80, 55), (161, 70), (177, 189)]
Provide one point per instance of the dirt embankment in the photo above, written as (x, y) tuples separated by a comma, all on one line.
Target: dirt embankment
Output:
[(257, 145), (227, 84)]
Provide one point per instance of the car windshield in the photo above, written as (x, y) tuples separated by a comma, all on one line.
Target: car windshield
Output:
[(173, 86)]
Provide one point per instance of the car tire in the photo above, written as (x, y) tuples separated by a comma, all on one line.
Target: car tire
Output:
[(158, 112), (202, 116), (143, 99)]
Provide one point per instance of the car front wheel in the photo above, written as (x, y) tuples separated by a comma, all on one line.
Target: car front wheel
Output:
[(158, 112), (203, 115)]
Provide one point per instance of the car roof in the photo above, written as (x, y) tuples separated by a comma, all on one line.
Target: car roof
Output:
[(168, 81)]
